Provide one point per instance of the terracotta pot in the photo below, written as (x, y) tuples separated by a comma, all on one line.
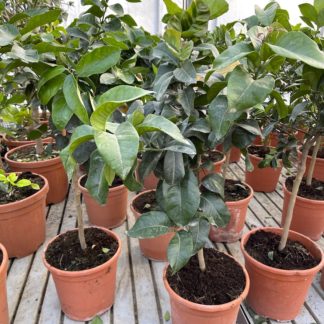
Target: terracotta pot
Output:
[(235, 155), (22, 223), (150, 182), (51, 169), (233, 230), (4, 316), (276, 293), (153, 248), (185, 311), (217, 168), (308, 215), (84, 294), (318, 169), (262, 179), (273, 140), (11, 144), (112, 213)]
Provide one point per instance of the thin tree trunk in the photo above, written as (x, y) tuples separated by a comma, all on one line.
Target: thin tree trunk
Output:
[(38, 141), (299, 177), (313, 162), (226, 164), (77, 201), (201, 260)]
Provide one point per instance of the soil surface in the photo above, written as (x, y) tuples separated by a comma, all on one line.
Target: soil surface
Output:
[(16, 193), (1, 257), (263, 246), (22, 135), (145, 202), (260, 151), (213, 156), (28, 154), (65, 252), (222, 282), (320, 153), (117, 182), (235, 190), (315, 191)]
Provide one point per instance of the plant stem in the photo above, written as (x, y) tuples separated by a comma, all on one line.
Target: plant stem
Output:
[(201, 260), (226, 164), (38, 141), (299, 177), (313, 162), (77, 196)]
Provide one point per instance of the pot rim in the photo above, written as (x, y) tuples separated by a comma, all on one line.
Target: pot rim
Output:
[(36, 194), (282, 272), (66, 273), (223, 158), (84, 189), (6, 139), (308, 156), (42, 162), (135, 197), (303, 199), (5, 259), (247, 199), (210, 308)]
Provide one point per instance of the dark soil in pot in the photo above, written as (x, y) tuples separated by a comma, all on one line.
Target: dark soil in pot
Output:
[(260, 151), (145, 202), (28, 154), (213, 156), (314, 192), (320, 153), (17, 194), (117, 182), (263, 247), (235, 190), (65, 252), (222, 282)]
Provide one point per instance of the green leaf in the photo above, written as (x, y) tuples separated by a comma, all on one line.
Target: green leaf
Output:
[(173, 169), (185, 74), (23, 183), (182, 201), (123, 93), (154, 123), (200, 232), (308, 11), (180, 250), (151, 224), (80, 135), (296, 45), (50, 89), (214, 182), (68, 162), (35, 186), (231, 55), (167, 316), (186, 99), (216, 7), (73, 98), (12, 177), (50, 74), (39, 20), (109, 174), (97, 184), (148, 164), (98, 61), (97, 320), (215, 89), (267, 15), (61, 112), (26, 55), (214, 209), (119, 150), (172, 7), (161, 84), (8, 33), (319, 5), (107, 78), (102, 113), (173, 38), (244, 92)]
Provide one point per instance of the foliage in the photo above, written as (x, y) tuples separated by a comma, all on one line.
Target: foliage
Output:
[(10, 181)]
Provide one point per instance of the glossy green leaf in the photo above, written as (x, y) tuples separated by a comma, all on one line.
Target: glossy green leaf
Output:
[(308, 11), (81, 134), (186, 73), (51, 88), (50, 74), (180, 250), (173, 169), (172, 7), (73, 98), (296, 45), (61, 112), (101, 115), (98, 61), (151, 224), (214, 182), (200, 231), (8, 33), (68, 162), (216, 7)]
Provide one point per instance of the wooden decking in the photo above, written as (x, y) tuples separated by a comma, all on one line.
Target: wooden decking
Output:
[(140, 294)]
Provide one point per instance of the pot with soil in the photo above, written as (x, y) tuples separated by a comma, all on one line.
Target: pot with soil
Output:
[(237, 198), (22, 216), (280, 279), (308, 213), (235, 154), (113, 213), (212, 162), (261, 179), (4, 316), (150, 182), (318, 172), (48, 164), (152, 248), (212, 296), (85, 279)]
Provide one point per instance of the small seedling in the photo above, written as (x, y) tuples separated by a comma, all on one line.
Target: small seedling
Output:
[(8, 182), (105, 250), (270, 255)]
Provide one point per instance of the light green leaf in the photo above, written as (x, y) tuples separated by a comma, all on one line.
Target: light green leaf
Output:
[(50, 88), (80, 135), (185, 74), (23, 183), (102, 113), (172, 7), (27, 56), (216, 7), (8, 33), (68, 162), (61, 112), (267, 15), (109, 174)]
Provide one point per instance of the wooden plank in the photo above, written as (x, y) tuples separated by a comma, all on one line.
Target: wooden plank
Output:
[(315, 304)]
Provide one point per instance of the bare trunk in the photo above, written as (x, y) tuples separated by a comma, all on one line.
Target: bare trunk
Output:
[(201, 260), (226, 164), (39, 146), (299, 177), (313, 162), (77, 201), (38, 141)]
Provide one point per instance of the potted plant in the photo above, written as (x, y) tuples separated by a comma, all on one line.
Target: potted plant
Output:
[(4, 316), (22, 212)]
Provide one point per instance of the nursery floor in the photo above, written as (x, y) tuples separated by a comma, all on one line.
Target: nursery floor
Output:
[(140, 295)]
